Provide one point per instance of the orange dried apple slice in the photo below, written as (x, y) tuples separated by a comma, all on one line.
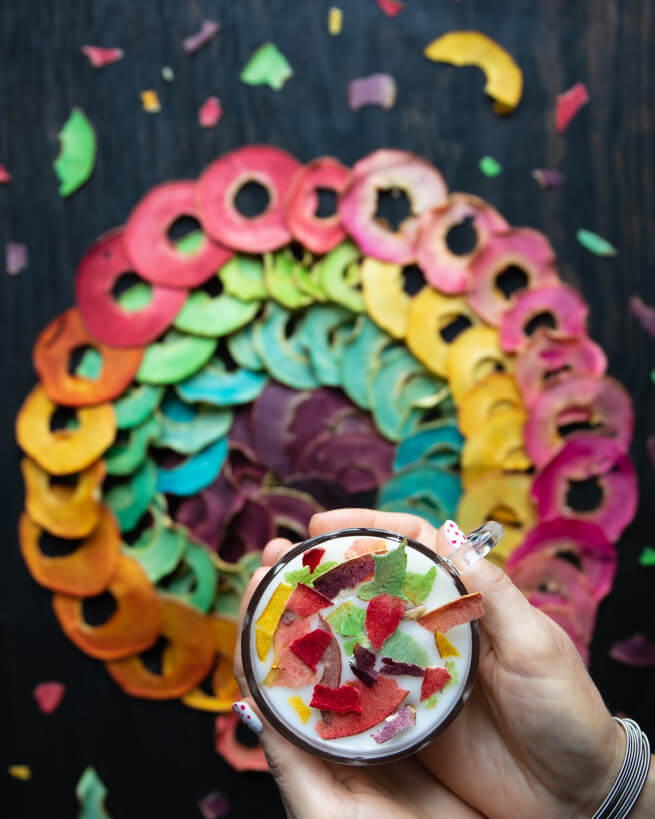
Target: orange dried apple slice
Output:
[(64, 450), (428, 317), (134, 626), (224, 685), (65, 511), (474, 355), (495, 394), (186, 661), (498, 444), (85, 571), (385, 298)]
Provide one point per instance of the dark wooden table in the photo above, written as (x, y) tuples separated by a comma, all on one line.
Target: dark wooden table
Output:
[(158, 759)]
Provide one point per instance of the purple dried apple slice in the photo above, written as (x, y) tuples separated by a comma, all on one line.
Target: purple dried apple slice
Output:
[(583, 542), (563, 304), (580, 459), (223, 179), (270, 419), (446, 271), (318, 234), (207, 514), (522, 248), (425, 189)]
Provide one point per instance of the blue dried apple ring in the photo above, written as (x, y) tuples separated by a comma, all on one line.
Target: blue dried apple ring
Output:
[(425, 190), (174, 358), (524, 248), (601, 402), (563, 304), (187, 658), (286, 359), (319, 234), (215, 385), (188, 429), (65, 450), (428, 315), (107, 319), (279, 276), (134, 626), (153, 254), (84, 572), (194, 474), (385, 298), (446, 271), (498, 444), (340, 277), (159, 548), (495, 394), (438, 442), (474, 355), (213, 316), (65, 511), (324, 343), (219, 184), (195, 581), (136, 404), (363, 349), (423, 481), (52, 354), (130, 499)]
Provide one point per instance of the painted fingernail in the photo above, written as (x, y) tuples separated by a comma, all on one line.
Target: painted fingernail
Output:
[(454, 535), (248, 717)]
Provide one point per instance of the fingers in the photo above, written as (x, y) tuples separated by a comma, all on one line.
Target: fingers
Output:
[(274, 550), (408, 525)]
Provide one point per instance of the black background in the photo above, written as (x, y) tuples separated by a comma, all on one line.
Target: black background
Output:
[(158, 759)]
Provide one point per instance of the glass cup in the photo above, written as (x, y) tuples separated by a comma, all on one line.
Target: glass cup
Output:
[(283, 685)]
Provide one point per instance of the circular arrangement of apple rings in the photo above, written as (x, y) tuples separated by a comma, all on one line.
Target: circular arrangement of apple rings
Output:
[(210, 392)]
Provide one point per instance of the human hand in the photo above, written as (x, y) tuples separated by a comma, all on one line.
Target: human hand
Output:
[(314, 789)]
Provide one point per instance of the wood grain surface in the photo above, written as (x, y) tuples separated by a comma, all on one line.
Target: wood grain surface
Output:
[(157, 759)]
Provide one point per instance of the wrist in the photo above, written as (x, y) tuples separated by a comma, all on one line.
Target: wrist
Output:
[(645, 805)]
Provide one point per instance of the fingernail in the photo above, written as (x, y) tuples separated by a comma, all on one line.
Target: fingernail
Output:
[(454, 535), (248, 717)]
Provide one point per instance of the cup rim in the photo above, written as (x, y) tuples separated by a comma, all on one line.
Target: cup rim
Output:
[(261, 701)]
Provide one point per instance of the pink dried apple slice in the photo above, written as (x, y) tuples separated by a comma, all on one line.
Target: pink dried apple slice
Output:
[(152, 252), (241, 757), (318, 234), (474, 355), (495, 394), (563, 304), (580, 459), (498, 444), (586, 542), (547, 361), (602, 402), (523, 248), (448, 272), (424, 187), (223, 179)]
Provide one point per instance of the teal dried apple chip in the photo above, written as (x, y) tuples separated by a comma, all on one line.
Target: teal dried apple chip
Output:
[(312, 558), (424, 481), (241, 347), (383, 614), (390, 570), (418, 586), (77, 155), (377, 703), (319, 332), (124, 457), (344, 576), (188, 429), (196, 473), (342, 700), (354, 367), (215, 385), (129, 499), (284, 357), (159, 548), (136, 404), (403, 648), (434, 681), (347, 620), (196, 582), (305, 601), (438, 442), (310, 647), (461, 610), (91, 794), (404, 718)]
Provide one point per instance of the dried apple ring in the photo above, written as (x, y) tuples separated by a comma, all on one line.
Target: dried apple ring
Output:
[(448, 272), (493, 395), (428, 317), (241, 757), (564, 305), (152, 252), (503, 497), (52, 354), (224, 684), (604, 403), (187, 658), (318, 234), (65, 511), (64, 450), (134, 625), (496, 445), (583, 458), (85, 571), (425, 189), (474, 355), (386, 301), (218, 187), (522, 248), (105, 317)]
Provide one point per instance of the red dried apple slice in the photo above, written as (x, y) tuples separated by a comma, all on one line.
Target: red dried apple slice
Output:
[(563, 304)]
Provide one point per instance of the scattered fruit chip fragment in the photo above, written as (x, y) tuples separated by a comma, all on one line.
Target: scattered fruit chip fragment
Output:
[(99, 57), (595, 244), (76, 159), (310, 647), (342, 700), (391, 8), (312, 558), (394, 667), (48, 695), (267, 66), (504, 77), (23, 772), (270, 617), (306, 601), (376, 704), (644, 313), (461, 610), (383, 614), (647, 557), (548, 178), (150, 101), (376, 89), (389, 575), (446, 648), (568, 104), (434, 681), (210, 112), (91, 794), (5, 176), (335, 20), (403, 719), (16, 257), (207, 31), (301, 708), (418, 586), (490, 167), (214, 806), (344, 576), (403, 648), (636, 651)]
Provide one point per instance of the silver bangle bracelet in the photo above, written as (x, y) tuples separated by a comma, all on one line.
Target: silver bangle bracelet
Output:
[(632, 774)]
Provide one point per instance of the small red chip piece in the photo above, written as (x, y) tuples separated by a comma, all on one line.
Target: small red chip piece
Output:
[(391, 7), (48, 695), (568, 104), (377, 703), (312, 558), (434, 681), (383, 614), (460, 610), (311, 647), (342, 700), (305, 601)]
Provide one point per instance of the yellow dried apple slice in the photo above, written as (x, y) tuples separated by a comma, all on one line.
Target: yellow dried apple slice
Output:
[(474, 355), (496, 444), (385, 298), (495, 394)]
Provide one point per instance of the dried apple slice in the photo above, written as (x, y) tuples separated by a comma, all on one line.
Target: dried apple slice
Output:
[(446, 271), (423, 481), (280, 280), (240, 757), (214, 316), (495, 394), (564, 305), (474, 355), (319, 234), (439, 442), (214, 384), (153, 254), (65, 450), (498, 444), (106, 318), (364, 347), (136, 404), (65, 511), (384, 295), (52, 354), (159, 548), (503, 497), (425, 190), (340, 277), (188, 428), (85, 571), (187, 657), (134, 625), (580, 459), (601, 402), (197, 472), (176, 357), (129, 499), (285, 357), (218, 187), (547, 361), (196, 579), (124, 457), (428, 316), (523, 248), (323, 330)]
